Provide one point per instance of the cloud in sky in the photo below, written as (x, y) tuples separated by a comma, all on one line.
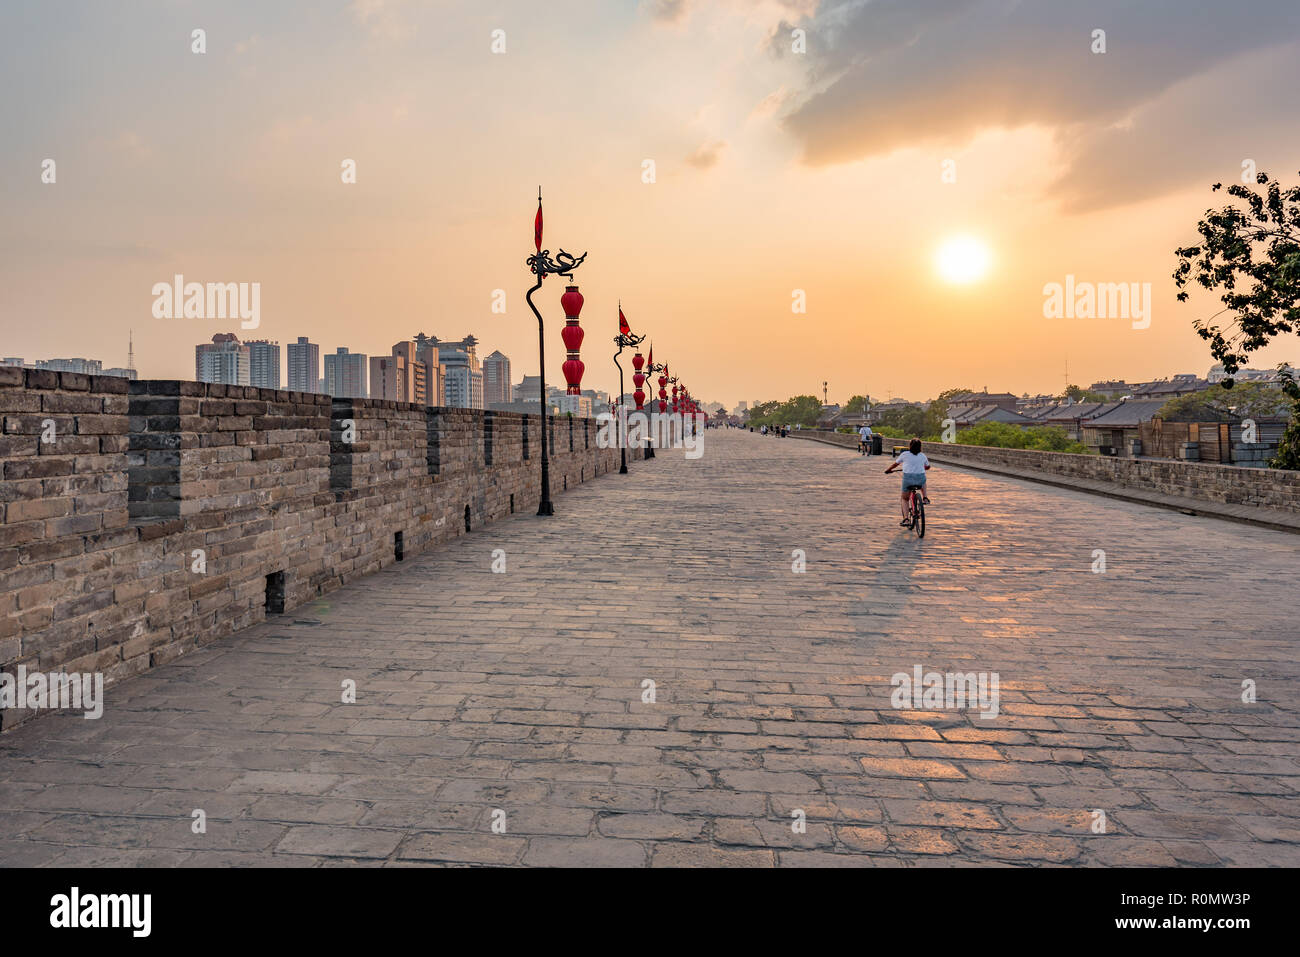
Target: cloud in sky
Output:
[(667, 11), (887, 74), (706, 155), (172, 162), (383, 18)]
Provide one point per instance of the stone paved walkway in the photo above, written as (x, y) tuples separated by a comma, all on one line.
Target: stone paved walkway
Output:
[(521, 692)]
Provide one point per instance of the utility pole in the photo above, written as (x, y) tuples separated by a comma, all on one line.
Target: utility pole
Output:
[(825, 400)]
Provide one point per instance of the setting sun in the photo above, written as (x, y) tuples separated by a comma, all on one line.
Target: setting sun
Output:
[(962, 259)]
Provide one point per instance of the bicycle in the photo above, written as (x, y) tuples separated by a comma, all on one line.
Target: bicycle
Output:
[(916, 511)]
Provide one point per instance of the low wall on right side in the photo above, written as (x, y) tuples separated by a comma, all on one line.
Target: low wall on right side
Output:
[(1201, 481)]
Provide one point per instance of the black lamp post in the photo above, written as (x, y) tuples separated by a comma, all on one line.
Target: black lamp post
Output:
[(624, 339), (650, 369), (541, 265)]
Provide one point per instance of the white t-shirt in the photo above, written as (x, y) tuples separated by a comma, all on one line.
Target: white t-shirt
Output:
[(865, 432), (913, 464)]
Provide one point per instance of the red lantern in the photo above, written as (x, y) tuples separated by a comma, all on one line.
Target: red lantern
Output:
[(573, 370), (638, 380), (572, 335)]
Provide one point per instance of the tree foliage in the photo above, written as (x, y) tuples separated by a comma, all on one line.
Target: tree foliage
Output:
[(1250, 253), (1002, 435), (939, 405), (1288, 450), (1249, 400), (1079, 394), (913, 421), (798, 410)]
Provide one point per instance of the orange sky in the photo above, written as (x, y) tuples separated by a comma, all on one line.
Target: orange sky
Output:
[(775, 171)]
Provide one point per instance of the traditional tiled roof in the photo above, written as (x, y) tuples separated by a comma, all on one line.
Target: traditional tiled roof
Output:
[(1127, 414), (991, 413), (1079, 411), (1168, 387)]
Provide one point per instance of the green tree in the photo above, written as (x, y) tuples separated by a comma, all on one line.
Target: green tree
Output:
[(891, 432), (855, 405), (1078, 393), (1250, 253), (939, 405), (1249, 400), (1288, 449), (760, 413), (799, 410), (912, 421), (1002, 435)]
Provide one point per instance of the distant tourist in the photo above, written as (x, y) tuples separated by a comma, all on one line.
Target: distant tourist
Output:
[(864, 440)]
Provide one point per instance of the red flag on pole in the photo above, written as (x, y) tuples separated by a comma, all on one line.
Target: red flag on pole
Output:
[(623, 327), (651, 363), (537, 223)]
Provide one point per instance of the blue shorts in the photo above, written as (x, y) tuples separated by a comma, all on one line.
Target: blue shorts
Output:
[(913, 481)]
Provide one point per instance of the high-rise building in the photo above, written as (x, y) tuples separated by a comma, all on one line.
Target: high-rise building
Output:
[(459, 371), (426, 351), (496, 378), (408, 352), (468, 344), (453, 372), (82, 366), (345, 374), (392, 378), (263, 363), (304, 366), (462, 379), (225, 360)]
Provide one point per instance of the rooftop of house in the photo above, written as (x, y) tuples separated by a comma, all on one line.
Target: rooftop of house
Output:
[(1127, 414), (981, 398), (991, 413), (1179, 383), (1081, 411)]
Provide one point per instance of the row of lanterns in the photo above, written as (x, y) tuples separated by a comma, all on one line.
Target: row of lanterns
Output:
[(541, 264), (681, 400)]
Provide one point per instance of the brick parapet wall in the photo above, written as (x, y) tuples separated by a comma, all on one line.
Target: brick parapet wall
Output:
[(1200, 481), (149, 522)]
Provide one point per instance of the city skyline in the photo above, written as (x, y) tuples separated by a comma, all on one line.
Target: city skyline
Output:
[(838, 173), (513, 391)]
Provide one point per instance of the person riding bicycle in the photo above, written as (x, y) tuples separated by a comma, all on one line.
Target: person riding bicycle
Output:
[(864, 440), (914, 465)]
